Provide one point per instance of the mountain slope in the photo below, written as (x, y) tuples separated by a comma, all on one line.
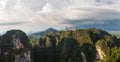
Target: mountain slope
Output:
[(84, 45)]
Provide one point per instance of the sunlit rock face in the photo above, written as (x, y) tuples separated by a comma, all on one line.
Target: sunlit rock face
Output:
[(15, 47), (100, 53)]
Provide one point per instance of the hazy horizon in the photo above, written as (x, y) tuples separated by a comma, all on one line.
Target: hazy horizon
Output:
[(38, 15)]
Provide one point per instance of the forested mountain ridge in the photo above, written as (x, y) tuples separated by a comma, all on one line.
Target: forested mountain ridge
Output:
[(84, 45)]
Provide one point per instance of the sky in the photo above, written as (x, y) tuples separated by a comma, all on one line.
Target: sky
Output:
[(38, 15)]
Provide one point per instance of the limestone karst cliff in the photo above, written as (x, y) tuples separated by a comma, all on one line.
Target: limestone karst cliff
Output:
[(15, 47)]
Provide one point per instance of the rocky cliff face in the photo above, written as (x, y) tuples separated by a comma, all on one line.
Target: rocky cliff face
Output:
[(22, 56), (100, 54), (15, 47)]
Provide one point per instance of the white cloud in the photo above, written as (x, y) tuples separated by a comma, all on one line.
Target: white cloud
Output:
[(41, 14)]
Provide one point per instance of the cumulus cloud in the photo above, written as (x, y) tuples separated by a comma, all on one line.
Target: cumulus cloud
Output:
[(37, 15)]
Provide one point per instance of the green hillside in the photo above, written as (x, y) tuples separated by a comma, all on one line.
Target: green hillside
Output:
[(91, 45)]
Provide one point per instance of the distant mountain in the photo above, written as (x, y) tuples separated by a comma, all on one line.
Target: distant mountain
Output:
[(46, 31), (42, 33)]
